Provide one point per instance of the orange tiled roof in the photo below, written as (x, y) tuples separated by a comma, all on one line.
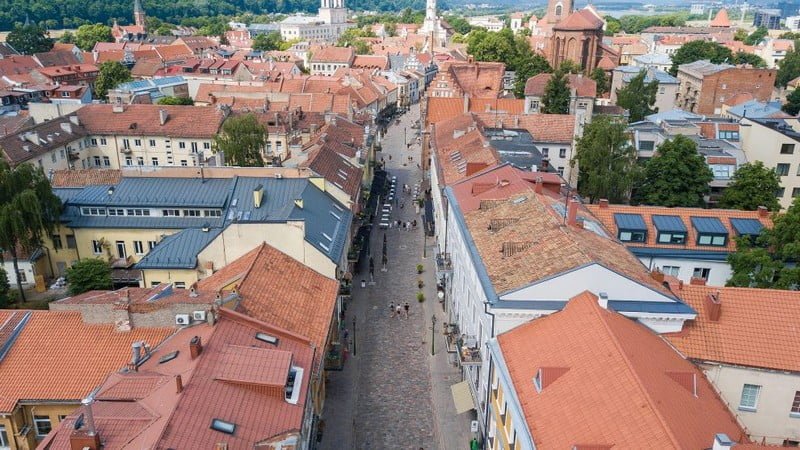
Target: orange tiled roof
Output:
[(443, 108), (544, 128), (459, 143), (371, 62), (584, 86), (755, 327), (230, 274), (85, 177), (144, 120), (721, 19), (57, 357), (334, 55), (580, 20), (606, 216), (613, 383)]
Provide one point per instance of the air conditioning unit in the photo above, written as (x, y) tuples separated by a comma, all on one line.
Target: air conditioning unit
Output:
[(182, 319), (199, 316)]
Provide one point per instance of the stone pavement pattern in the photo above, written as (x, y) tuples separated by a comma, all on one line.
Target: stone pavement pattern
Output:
[(383, 397)]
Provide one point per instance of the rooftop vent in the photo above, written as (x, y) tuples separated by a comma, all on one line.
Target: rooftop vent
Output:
[(268, 338), (512, 248), (258, 195), (498, 224), (223, 426)]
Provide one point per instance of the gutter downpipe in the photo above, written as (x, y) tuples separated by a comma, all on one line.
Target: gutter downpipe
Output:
[(490, 374)]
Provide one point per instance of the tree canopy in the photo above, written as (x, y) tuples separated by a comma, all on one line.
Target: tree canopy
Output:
[(88, 35), (556, 94), (638, 97), (89, 274), (267, 41), (697, 50), (752, 185), (531, 67), (601, 78), (111, 74), (5, 289), (176, 101), (756, 36), (676, 176), (29, 39), (769, 261), (242, 140), (606, 161), (789, 66), (792, 105), (28, 210), (749, 58)]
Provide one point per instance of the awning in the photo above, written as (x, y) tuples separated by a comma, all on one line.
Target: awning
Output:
[(462, 397)]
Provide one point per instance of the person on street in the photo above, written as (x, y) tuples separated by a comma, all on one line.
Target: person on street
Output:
[(406, 307), (398, 310), (391, 308)]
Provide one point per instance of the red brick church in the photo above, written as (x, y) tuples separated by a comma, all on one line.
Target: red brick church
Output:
[(577, 36)]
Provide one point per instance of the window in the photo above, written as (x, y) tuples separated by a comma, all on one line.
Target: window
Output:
[(721, 171), (562, 153), (795, 411), (184, 163), (749, 401), (711, 239), (152, 142), (782, 169), (729, 135), (93, 211), (212, 213), (94, 142), (545, 152), (171, 212), (126, 143), (701, 272), (787, 149), (71, 241), (43, 425), (154, 161), (206, 145), (647, 146), (116, 212), (779, 193), (181, 144), (128, 161), (151, 245), (191, 213), (56, 241), (672, 238), (671, 270), (106, 161), (4, 442), (140, 160), (137, 142), (97, 247), (194, 147), (138, 247), (22, 277), (53, 157), (632, 236), (97, 161), (561, 170), (103, 141), (180, 285)]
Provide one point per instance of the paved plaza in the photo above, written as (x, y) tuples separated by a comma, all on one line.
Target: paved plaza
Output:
[(392, 394)]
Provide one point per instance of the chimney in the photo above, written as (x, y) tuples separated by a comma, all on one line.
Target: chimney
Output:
[(657, 275), (162, 116), (258, 195), (86, 438), (722, 442), (604, 203), (178, 384), (603, 300), (763, 211), (680, 285), (714, 307), (195, 347), (466, 103), (136, 353), (572, 213), (539, 186), (695, 281)]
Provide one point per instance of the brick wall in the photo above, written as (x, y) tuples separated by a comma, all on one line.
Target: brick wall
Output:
[(725, 84), (140, 315)]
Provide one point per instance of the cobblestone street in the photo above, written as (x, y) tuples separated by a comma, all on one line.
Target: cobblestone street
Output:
[(385, 397)]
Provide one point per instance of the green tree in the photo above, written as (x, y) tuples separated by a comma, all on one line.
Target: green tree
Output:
[(740, 34), (28, 210), (769, 261), (88, 35), (613, 26), (490, 46), (29, 39), (111, 74), (267, 41), (749, 58), (756, 36), (789, 35), (556, 94), (601, 78), (752, 185), (606, 161), (697, 50), (531, 67), (676, 176), (792, 105), (242, 140), (176, 101), (570, 66), (5, 289), (638, 97), (459, 24), (67, 38), (89, 274), (390, 29), (789, 66)]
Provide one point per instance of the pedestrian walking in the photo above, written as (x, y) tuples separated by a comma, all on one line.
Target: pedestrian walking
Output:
[(406, 306), (398, 310), (391, 308)]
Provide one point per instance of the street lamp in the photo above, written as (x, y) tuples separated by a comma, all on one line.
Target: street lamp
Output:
[(354, 335), (433, 333)]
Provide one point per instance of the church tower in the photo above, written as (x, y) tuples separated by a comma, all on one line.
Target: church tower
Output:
[(557, 10), (138, 13), (333, 11)]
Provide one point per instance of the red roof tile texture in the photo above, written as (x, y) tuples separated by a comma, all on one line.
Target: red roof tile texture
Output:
[(582, 19), (616, 387), (85, 177), (330, 54), (543, 128), (584, 86), (57, 357), (754, 327), (144, 120)]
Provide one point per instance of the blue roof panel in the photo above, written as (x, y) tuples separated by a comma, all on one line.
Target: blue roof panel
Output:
[(751, 227), (179, 251), (156, 192), (669, 224), (709, 225), (630, 222)]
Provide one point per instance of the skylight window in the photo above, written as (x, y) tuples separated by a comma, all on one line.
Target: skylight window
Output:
[(168, 357), (269, 339), (537, 381), (338, 217), (223, 426)]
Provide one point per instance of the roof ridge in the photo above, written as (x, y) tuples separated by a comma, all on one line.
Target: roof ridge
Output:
[(596, 309)]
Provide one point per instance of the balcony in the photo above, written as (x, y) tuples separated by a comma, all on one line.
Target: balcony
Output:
[(469, 352), (443, 263), (126, 150), (73, 155)]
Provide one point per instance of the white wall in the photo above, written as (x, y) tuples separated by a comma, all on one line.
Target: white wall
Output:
[(772, 419), (24, 266), (720, 271)]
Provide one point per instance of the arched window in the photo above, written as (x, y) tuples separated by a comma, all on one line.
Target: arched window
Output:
[(558, 10)]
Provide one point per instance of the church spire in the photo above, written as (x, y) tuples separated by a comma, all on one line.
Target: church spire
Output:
[(138, 13)]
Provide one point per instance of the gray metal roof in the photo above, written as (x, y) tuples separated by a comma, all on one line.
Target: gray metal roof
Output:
[(156, 192), (629, 72), (710, 225), (179, 251), (668, 223), (747, 227), (630, 222)]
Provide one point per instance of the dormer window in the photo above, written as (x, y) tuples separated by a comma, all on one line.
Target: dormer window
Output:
[(710, 231), (747, 227), (293, 384), (631, 227), (671, 230)]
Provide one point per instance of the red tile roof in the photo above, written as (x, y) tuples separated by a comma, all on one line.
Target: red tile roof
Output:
[(721, 19), (336, 169), (584, 86), (443, 108), (56, 357), (543, 128), (330, 54), (371, 62), (755, 327), (144, 120), (606, 216), (229, 274), (457, 143), (582, 19), (85, 177), (613, 384), (17, 65)]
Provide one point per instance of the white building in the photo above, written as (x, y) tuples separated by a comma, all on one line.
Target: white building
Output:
[(327, 26)]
